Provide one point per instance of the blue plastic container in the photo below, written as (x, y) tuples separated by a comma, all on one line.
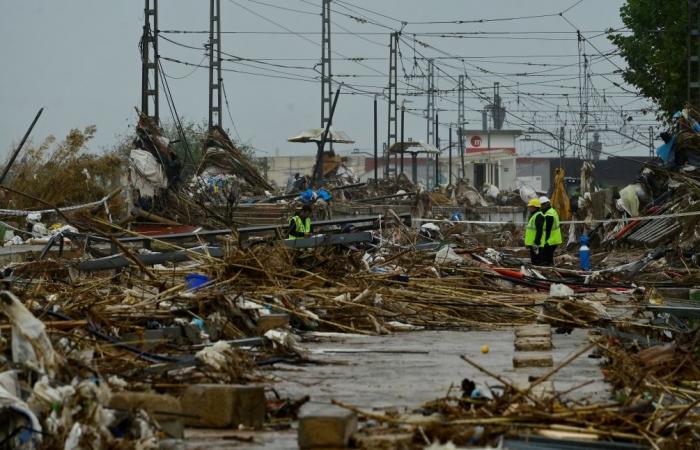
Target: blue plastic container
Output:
[(196, 280), (584, 253)]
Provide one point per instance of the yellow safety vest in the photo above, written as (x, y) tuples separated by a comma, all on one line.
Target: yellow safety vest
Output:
[(531, 230), (302, 226), (555, 235)]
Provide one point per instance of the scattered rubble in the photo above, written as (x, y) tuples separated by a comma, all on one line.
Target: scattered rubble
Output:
[(116, 333)]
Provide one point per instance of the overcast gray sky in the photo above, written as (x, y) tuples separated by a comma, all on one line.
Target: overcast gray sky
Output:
[(80, 60)]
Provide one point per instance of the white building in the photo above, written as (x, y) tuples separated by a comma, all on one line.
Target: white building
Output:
[(490, 157)]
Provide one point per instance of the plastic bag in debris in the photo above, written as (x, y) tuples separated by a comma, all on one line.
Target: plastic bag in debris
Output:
[(39, 230), (20, 428), (665, 151), (214, 356), (527, 193), (30, 344), (629, 201), (490, 191), (560, 290), (288, 341), (14, 240), (447, 256)]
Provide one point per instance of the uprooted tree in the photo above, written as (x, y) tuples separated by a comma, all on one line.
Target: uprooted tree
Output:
[(655, 50)]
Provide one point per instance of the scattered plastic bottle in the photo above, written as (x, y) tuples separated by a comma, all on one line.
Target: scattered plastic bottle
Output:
[(584, 253)]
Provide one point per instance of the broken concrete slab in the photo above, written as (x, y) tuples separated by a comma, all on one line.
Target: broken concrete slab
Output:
[(532, 360), (326, 428), (224, 405), (268, 322), (529, 344), (533, 331), (165, 409)]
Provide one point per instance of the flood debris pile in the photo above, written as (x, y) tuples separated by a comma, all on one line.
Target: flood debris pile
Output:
[(653, 372), (89, 352), (652, 410)]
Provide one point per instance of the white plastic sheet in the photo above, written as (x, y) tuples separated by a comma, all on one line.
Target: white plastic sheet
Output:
[(30, 344), (560, 290), (447, 256), (146, 173)]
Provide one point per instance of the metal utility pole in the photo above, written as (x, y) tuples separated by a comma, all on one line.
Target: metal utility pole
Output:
[(149, 62), (437, 155), (430, 111), (403, 122), (460, 131), (694, 53), (562, 144), (392, 112), (318, 167), (376, 147), (326, 74), (449, 159), (460, 101), (651, 142), (215, 63)]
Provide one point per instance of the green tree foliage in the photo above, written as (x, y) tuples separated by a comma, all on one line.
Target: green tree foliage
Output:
[(63, 173), (655, 50)]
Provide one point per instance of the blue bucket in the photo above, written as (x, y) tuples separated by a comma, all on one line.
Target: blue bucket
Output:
[(195, 280)]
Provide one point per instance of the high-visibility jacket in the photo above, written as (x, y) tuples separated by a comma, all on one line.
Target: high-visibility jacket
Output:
[(531, 230), (555, 235), (300, 225)]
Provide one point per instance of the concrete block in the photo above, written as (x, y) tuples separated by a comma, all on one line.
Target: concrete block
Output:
[(165, 409), (532, 360), (268, 322), (327, 428), (529, 344), (224, 405), (533, 331)]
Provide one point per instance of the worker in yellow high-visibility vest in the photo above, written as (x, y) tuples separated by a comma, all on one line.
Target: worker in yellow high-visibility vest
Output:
[(300, 223), (536, 218), (549, 233)]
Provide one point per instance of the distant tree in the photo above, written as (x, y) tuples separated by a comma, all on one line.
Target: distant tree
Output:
[(655, 50)]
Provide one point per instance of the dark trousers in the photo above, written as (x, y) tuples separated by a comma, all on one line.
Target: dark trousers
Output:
[(535, 258), (547, 255)]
